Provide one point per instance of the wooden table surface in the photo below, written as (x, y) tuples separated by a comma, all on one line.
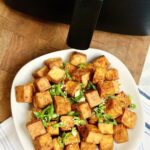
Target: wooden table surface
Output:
[(23, 38)]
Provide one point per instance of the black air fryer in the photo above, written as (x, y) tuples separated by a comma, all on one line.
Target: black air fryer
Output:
[(119, 16)]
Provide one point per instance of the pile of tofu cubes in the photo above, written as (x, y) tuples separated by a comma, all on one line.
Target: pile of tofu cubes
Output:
[(92, 134)]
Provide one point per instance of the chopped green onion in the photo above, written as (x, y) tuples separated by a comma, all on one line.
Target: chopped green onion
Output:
[(82, 66), (132, 106), (73, 113), (56, 90), (68, 76), (91, 86), (78, 121), (46, 115)]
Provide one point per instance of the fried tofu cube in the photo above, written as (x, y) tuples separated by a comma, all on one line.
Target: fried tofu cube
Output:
[(111, 74), (113, 108), (56, 74), (81, 75), (42, 84), (41, 72), (108, 88), (51, 62), (101, 61), (62, 105), (93, 119), (99, 75), (92, 134), (52, 130), (120, 133), (24, 93), (106, 143), (72, 139), (36, 128), (71, 68), (43, 142), (72, 87), (90, 67), (82, 130), (105, 128), (72, 147), (129, 118), (84, 110), (93, 98), (57, 145), (68, 122), (78, 58), (42, 99), (123, 99), (87, 146)]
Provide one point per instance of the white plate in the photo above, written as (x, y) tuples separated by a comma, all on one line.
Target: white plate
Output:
[(20, 111)]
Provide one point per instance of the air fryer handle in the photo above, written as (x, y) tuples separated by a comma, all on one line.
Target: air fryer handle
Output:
[(85, 16)]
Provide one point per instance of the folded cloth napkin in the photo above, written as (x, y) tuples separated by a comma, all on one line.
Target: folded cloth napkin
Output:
[(10, 141)]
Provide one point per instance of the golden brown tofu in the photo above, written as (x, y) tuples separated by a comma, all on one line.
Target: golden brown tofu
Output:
[(111, 74), (78, 58), (62, 105), (82, 131), (106, 143), (123, 99), (51, 62), (67, 122), (113, 108), (93, 120), (43, 142), (42, 84), (101, 61), (105, 128), (129, 118), (35, 128), (24, 93), (120, 134), (92, 134), (81, 75), (41, 72), (90, 67), (108, 88), (42, 99), (99, 75), (87, 146), (84, 110), (72, 147), (93, 98), (57, 145), (56, 74), (72, 87), (71, 139), (52, 130), (71, 68)]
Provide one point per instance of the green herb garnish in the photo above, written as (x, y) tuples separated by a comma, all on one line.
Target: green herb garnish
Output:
[(74, 131), (46, 115), (82, 66), (56, 90), (60, 141), (78, 121), (73, 113), (91, 86), (99, 112), (57, 125), (76, 99), (132, 106), (68, 76)]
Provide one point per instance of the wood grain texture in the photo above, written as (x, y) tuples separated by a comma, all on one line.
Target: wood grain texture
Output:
[(23, 38)]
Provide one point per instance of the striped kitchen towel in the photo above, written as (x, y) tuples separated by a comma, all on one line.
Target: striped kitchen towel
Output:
[(10, 141)]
